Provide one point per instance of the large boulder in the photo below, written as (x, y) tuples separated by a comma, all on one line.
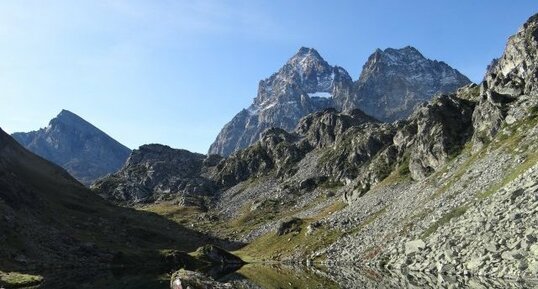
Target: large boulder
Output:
[(184, 279), (216, 255)]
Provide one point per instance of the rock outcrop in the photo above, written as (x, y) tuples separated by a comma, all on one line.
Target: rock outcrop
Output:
[(436, 131), (216, 255), (510, 85), (157, 172), (184, 279), (83, 150)]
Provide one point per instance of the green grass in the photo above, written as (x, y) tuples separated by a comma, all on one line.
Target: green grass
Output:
[(529, 162), (273, 247), (370, 219), (17, 280), (510, 139), (455, 213), (274, 277)]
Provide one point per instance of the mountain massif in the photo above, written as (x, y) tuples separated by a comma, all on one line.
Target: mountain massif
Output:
[(314, 173), (393, 82), (69, 141), (449, 190)]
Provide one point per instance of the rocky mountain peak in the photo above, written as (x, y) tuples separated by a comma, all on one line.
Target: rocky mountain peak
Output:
[(306, 60), (394, 82), (158, 172), (392, 56), (304, 73), (67, 119), (71, 142), (305, 84)]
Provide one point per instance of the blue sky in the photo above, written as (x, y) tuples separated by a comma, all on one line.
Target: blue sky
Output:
[(174, 72)]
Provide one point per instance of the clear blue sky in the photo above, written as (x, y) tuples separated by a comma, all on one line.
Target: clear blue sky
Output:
[(174, 72)]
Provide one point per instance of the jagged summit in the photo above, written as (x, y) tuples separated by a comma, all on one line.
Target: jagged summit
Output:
[(306, 58), (392, 56), (306, 83), (69, 118), (307, 52), (394, 82), (82, 149)]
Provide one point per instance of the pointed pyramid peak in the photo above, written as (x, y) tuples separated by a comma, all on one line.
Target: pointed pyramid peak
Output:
[(307, 59), (68, 116), (306, 53), (65, 113)]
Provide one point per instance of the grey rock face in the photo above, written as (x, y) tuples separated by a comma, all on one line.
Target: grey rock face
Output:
[(510, 85), (440, 129), (83, 150), (323, 128), (275, 151), (305, 84), (394, 82), (157, 172)]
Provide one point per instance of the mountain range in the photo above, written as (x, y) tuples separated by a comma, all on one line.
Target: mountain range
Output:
[(448, 189), (392, 84)]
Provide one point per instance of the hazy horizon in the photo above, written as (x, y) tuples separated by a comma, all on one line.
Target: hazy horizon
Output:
[(176, 72)]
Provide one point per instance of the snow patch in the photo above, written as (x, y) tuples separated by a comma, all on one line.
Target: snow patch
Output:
[(320, 94)]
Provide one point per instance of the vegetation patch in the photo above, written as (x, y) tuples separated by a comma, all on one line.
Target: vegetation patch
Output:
[(17, 280), (275, 277), (455, 213), (301, 242), (529, 162)]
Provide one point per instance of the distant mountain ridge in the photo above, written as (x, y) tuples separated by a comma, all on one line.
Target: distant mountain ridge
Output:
[(393, 83), (71, 142)]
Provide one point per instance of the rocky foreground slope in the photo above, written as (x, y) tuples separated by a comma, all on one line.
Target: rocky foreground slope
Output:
[(393, 82), (50, 220), (83, 150), (451, 190)]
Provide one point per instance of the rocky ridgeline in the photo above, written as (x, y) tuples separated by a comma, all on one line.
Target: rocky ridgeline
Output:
[(476, 214), (327, 148), (83, 150), (156, 173), (392, 84), (497, 236), (510, 86)]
